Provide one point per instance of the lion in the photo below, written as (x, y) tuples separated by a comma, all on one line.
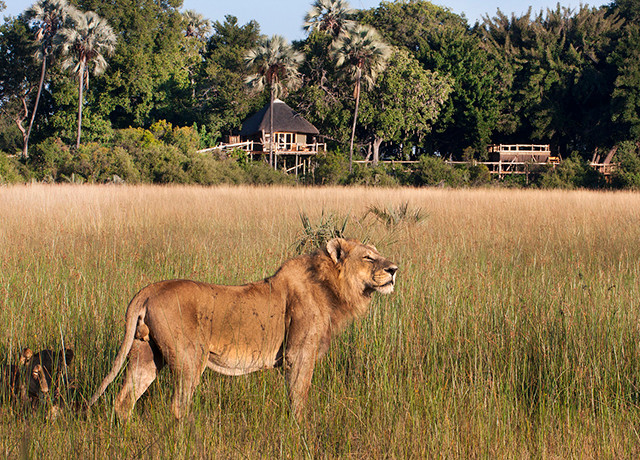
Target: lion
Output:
[(53, 369), (287, 320), (26, 380)]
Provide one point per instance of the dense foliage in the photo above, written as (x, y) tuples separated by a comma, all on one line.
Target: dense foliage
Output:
[(445, 89)]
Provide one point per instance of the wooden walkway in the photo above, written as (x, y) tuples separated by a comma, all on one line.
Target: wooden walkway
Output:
[(504, 168)]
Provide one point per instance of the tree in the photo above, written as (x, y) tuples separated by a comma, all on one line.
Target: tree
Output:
[(85, 43), (321, 98), (442, 41), (626, 94), (222, 96), (138, 88), (329, 16), (364, 54), (16, 85), (559, 77), (48, 17), (406, 103), (196, 25), (275, 64)]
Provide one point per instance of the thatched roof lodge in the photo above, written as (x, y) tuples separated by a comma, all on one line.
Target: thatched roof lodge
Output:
[(292, 133)]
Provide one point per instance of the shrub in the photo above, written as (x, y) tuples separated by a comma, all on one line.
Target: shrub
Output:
[(572, 173), (206, 170), (433, 171), (628, 173), (260, 173), (314, 235), (395, 216), (479, 174), (369, 175), (332, 168), (167, 164), (10, 170), (104, 164), (50, 158), (184, 138)]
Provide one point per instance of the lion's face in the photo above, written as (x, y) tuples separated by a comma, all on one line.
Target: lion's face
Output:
[(363, 265)]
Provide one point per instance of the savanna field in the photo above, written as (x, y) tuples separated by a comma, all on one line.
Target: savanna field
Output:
[(513, 332)]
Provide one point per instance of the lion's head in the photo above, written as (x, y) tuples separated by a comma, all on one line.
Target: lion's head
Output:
[(362, 266)]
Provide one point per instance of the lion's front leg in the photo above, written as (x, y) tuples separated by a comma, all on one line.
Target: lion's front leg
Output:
[(303, 348), (298, 373)]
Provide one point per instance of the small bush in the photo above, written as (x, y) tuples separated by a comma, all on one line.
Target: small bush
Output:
[(332, 168), (95, 128), (10, 170), (206, 170), (628, 173), (51, 158), (167, 165), (479, 174), (572, 173), (260, 173), (433, 171), (97, 163), (370, 175)]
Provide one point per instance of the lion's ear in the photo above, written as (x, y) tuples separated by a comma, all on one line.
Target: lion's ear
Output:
[(335, 248)]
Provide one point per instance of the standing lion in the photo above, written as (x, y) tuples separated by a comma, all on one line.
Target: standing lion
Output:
[(288, 318)]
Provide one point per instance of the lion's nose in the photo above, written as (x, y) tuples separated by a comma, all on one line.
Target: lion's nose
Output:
[(391, 270)]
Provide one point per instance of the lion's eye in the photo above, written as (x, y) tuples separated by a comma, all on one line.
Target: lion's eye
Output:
[(369, 259)]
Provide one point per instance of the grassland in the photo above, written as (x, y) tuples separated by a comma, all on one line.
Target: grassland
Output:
[(513, 332)]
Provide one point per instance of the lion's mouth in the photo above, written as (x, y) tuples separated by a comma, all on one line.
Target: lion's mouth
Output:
[(386, 288)]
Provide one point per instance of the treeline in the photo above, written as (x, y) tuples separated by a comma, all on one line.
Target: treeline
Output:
[(432, 86)]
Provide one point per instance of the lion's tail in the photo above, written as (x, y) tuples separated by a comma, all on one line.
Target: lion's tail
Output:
[(135, 311)]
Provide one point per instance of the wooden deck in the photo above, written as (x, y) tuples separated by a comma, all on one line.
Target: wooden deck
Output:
[(259, 148), (289, 157)]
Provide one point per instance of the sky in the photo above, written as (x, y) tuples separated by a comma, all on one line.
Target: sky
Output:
[(285, 17)]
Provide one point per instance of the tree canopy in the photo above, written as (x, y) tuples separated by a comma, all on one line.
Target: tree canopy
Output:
[(570, 78)]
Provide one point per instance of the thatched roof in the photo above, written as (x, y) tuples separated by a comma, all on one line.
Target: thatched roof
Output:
[(284, 120)]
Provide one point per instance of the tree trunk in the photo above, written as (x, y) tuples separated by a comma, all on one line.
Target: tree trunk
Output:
[(20, 118), (25, 150), (376, 150), (355, 118), (271, 163), (80, 90)]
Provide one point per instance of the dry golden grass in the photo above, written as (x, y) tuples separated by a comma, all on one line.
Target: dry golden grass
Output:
[(513, 332)]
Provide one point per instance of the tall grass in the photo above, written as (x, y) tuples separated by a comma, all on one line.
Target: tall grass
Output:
[(513, 331)]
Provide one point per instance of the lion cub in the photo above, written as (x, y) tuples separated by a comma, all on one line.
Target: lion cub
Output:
[(25, 380)]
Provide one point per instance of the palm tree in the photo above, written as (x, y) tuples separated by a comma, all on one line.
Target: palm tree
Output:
[(48, 16), (365, 55), (84, 45), (196, 25), (330, 16), (275, 64)]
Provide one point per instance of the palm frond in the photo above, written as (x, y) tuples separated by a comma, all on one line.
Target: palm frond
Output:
[(315, 235), (392, 216)]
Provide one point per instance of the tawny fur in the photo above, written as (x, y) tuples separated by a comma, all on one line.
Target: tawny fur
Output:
[(287, 319)]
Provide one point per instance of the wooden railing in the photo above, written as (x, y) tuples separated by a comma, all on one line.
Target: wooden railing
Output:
[(251, 147)]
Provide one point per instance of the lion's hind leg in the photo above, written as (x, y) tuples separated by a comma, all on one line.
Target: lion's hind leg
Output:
[(187, 377), (141, 372)]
